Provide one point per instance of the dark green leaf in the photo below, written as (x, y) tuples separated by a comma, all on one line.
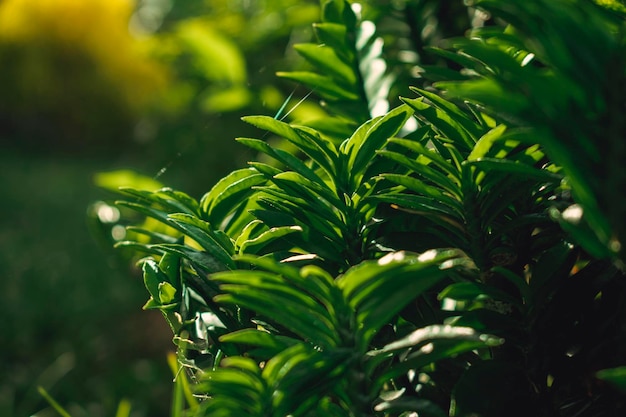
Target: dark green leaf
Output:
[(335, 36), (514, 167), (614, 376), (205, 262), (442, 122), (153, 277), (453, 111), (214, 242), (469, 291)]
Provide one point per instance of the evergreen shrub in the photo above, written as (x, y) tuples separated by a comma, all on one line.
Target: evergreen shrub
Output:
[(455, 253)]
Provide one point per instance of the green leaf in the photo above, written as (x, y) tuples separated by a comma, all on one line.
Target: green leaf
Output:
[(423, 407), (273, 216), (205, 262), (514, 167), (451, 183), (501, 324), (326, 59), (435, 343), (250, 231), (350, 146), (155, 237), (454, 112), (321, 83), (338, 11), (186, 203), (273, 125), (424, 206), (301, 375), (370, 137), (214, 242), (319, 190), (614, 376), (320, 150), (270, 283), (571, 220), (306, 139), (286, 158), (308, 381), (214, 54), (123, 409), (311, 280), (139, 247), (321, 221), (165, 198), (469, 291), (428, 155), (442, 122), (229, 193), (464, 61), (493, 56), (485, 143), (153, 277), (237, 388), (486, 91), (166, 292), (266, 344), (376, 137), (152, 304), (334, 35), (270, 295), (146, 210), (426, 334), (519, 282), (428, 191), (257, 244), (378, 290), (310, 213), (170, 265), (280, 307), (268, 170)]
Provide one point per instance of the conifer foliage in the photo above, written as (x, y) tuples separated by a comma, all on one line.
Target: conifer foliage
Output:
[(455, 253)]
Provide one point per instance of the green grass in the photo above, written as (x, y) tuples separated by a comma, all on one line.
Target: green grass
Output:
[(71, 312)]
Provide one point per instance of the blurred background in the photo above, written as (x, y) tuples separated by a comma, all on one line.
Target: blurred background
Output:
[(100, 93), (154, 87)]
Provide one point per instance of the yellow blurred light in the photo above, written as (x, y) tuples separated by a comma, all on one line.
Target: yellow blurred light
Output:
[(97, 29)]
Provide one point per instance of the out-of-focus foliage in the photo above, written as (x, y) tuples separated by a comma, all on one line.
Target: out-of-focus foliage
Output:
[(160, 78), (71, 74), (616, 5), (219, 70), (73, 321)]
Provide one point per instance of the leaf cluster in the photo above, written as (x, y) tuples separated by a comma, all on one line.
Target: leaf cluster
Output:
[(456, 255)]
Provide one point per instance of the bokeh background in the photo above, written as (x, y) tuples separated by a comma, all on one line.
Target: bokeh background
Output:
[(152, 87)]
